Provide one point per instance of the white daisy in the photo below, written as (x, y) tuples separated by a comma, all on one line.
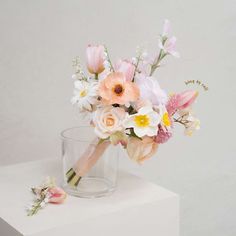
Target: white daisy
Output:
[(85, 94)]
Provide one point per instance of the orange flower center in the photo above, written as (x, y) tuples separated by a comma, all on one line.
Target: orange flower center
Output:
[(118, 89), (109, 121)]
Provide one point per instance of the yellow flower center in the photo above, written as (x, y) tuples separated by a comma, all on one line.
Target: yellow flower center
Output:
[(83, 93), (142, 120), (166, 119)]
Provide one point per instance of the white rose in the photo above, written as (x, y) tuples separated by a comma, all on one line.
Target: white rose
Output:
[(108, 120)]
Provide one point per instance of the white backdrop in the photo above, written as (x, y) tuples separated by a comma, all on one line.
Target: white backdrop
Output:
[(39, 39)]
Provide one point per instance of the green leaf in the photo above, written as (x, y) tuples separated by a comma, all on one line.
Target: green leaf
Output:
[(132, 134)]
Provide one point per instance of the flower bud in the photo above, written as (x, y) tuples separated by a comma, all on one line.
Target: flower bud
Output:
[(186, 98), (127, 68), (95, 59), (56, 195)]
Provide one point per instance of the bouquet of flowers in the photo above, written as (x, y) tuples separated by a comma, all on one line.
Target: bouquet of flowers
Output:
[(126, 104)]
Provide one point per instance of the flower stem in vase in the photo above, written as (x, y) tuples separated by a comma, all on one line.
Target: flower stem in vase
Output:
[(72, 178), (88, 159)]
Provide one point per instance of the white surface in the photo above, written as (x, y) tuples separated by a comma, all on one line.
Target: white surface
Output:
[(40, 38), (137, 207)]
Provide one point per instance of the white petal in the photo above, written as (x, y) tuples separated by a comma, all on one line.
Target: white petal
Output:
[(78, 85), (129, 122), (160, 45), (86, 104), (152, 131), (155, 119), (145, 110), (175, 54), (74, 100), (166, 28), (140, 132), (100, 134)]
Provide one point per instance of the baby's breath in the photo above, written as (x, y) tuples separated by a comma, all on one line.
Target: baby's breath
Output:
[(79, 73), (107, 60)]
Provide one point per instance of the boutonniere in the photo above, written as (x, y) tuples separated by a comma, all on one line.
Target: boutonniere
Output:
[(46, 193)]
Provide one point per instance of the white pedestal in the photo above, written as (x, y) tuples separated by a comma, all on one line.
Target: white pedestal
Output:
[(137, 207)]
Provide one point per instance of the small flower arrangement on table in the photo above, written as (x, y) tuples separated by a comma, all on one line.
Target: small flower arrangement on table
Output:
[(127, 105), (46, 193)]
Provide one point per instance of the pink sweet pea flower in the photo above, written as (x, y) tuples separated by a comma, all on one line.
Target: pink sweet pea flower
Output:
[(169, 46), (166, 28), (186, 98), (95, 59), (151, 90), (127, 68), (56, 195)]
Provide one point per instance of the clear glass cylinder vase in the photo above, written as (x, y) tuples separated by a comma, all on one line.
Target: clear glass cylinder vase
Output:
[(90, 166)]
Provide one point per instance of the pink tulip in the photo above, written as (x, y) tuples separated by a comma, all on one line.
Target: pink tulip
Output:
[(186, 98), (57, 195), (127, 68), (95, 59)]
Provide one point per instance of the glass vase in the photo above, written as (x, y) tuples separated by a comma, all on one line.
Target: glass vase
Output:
[(90, 166)]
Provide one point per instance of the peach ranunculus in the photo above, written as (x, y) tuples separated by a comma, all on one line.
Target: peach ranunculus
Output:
[(114, 89), (140, 150), (95, 59), (127, 68), (56, 195), (108, 120)]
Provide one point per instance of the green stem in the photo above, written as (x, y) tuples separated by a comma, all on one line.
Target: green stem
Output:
[(178, 121), (136, 66), (108, 59), (181, 121), (36, 207), (157, 61)]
